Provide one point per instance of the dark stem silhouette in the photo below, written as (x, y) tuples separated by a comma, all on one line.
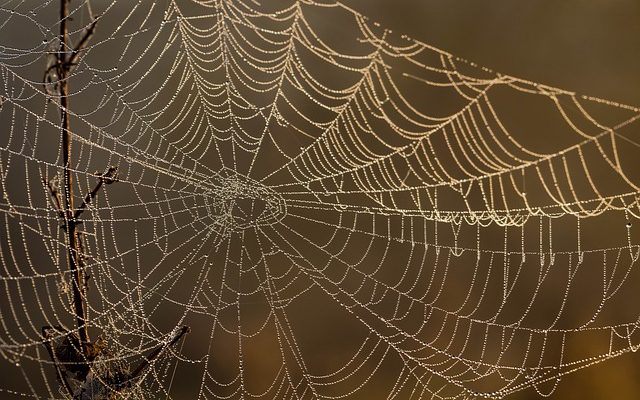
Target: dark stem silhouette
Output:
[(72, 352)]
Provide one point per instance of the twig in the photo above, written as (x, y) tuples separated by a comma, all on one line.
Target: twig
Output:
[(107, 178), (55, 195), (62, 376), (82, 44), (74, 257), (65, 65), (157, 352), (64, 203)]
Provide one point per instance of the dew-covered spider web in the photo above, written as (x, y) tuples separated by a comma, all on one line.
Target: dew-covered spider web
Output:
[(334, 209)]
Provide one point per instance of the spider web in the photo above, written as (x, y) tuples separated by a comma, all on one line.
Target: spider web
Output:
[(336, 210)]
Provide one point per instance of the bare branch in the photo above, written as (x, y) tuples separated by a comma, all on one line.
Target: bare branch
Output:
[(158, 352), (62, 376), (73, 256), (55, 195), (64, 65), (77, 354), (82, 44), (107, 178)]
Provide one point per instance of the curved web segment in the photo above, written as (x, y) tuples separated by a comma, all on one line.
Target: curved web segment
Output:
[(336, 210)]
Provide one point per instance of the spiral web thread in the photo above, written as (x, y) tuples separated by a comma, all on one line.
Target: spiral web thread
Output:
[(336, 210)]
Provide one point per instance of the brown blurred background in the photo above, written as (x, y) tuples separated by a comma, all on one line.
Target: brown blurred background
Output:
[(591, 47)]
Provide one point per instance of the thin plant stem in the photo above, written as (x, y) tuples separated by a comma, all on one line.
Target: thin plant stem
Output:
[(61, 375), (63, 199), (158, 352), (74, 256)]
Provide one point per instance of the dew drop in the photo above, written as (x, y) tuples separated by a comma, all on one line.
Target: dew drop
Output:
[(629, 224)]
